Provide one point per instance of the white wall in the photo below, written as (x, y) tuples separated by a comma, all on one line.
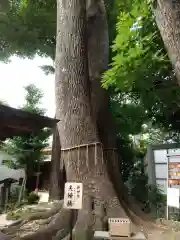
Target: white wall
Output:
[(6, 172), (4, 156)]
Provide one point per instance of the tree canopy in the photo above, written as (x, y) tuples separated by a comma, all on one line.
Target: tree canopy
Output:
[(28, 28), (140, 73), (140, 78)]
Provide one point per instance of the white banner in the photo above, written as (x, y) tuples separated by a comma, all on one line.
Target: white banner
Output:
[(73, 195), (173, 197)]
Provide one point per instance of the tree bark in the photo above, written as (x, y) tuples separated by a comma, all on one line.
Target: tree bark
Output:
[(98, 62), (4, 5), (77, 126), (57, 176), (167, 14), (82, 107), (98, 48)]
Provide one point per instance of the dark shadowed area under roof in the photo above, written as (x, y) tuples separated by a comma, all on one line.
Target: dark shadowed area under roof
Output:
[(16, 122)]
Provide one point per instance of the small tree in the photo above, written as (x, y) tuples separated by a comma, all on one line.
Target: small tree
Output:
[(26, 149)]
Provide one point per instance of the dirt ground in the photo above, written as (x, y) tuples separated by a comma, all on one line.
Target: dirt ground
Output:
[(170, 231)]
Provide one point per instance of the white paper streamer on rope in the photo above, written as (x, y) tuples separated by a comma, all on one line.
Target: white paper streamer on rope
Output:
[(95, 154), (78, 159), (95, 144), (87, 156), (62, 161), (68, 159), (80, 146), (102, 154)]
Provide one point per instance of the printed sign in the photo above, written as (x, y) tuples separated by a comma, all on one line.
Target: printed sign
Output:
[(174, 152), (174, 173), (73, 195), (173, 197), (174, 182)]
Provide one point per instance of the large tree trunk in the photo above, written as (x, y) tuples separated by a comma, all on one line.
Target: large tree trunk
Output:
[(98, 63), (81, 147), (168, 21)]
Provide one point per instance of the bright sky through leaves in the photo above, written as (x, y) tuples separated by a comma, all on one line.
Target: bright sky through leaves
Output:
[(22, 72)]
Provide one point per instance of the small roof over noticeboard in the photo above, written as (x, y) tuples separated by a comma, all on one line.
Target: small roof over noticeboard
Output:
[(16, 122)]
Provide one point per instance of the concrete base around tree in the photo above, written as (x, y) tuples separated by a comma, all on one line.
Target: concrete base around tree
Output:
[(106, 235)]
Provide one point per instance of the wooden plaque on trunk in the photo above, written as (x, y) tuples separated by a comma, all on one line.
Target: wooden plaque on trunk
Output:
[(119, 227), (73, 195)]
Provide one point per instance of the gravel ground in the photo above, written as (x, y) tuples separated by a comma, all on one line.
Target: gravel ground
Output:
[(172, 234)]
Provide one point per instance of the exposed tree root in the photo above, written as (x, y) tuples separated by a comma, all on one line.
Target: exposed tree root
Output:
[(68, 237), (35, 216), (107, 136), (83, 228), (46, 214), (62, 222), (63, 234), (68, 225), (133, 211), (128, 202)]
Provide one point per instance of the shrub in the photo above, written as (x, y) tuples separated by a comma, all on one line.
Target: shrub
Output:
[(150, 197), (33, 198), (14, 194)]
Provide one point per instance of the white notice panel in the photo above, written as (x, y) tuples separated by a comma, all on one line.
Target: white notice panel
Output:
[(73, 195), (173, 197)]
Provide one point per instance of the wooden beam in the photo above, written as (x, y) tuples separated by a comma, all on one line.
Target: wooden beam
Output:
[(15, 122)]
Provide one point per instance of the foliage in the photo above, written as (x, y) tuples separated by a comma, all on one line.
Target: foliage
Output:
[(141, 70), (126, 153), (33, 29), (33, 99), (140, 79), (26, 149), (33, 198), (28, 28), (157, 136), (18, 213), (13, 215), (129, 117), (155, 196), (137, 182), (14, 195), (150, 197)]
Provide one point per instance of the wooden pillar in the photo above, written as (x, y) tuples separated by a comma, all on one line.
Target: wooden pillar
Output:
[(3, 196), (9, 190), (6, 186)]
